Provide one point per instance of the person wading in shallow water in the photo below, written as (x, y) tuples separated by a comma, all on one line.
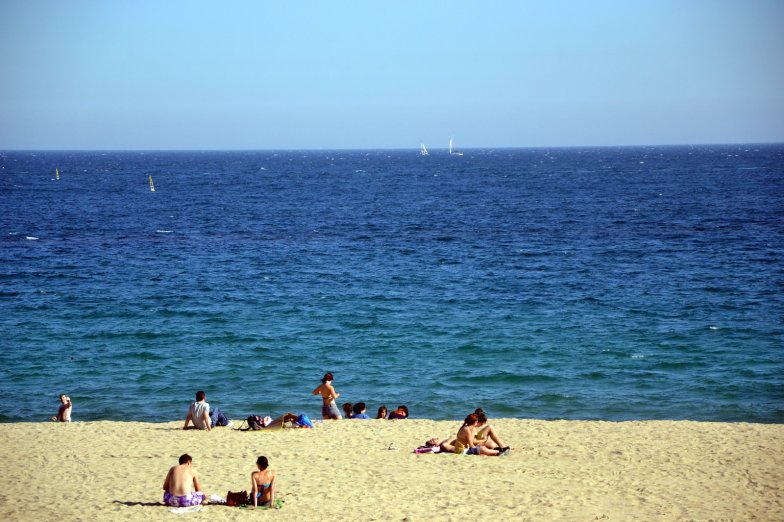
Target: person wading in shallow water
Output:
[(329, 410), (64, 411)]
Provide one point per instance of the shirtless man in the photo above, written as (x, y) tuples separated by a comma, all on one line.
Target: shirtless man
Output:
[(329, 410), (64, 411), (181, 487)]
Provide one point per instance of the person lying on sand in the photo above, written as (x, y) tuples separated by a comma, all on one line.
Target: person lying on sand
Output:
[(466, 444), (436, 445), (262, 484), (64, 411), (181, 487), (282, 421)]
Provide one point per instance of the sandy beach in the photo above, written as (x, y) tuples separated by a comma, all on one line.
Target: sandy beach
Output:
[(573, 470)]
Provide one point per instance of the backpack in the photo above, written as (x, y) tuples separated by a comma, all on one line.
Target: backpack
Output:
[(254, 423), (304, 421)]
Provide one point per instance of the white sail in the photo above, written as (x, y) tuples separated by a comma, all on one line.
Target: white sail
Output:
[(152, 186), (423, 150), (452, 152)]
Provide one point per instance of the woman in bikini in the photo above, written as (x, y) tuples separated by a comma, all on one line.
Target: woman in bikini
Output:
[(466, 444), (329, 410), (486, 436), (263, 484)]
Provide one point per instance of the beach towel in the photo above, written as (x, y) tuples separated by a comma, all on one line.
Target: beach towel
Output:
[(189, 509), (278, 504)]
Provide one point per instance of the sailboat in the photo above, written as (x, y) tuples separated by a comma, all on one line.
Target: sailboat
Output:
[(152, 186), (423, 150), (57, 173), (452, 152)]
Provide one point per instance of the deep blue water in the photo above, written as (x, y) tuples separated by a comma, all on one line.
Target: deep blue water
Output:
[(602, 283)]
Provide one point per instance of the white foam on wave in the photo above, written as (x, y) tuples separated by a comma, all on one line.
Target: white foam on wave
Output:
[(31, 238), (638, 356), (164, 231), (713, 327)]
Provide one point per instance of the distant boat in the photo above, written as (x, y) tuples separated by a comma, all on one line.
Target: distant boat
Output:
[(423, 150), (57, 173), (152, 186), (452, 152)]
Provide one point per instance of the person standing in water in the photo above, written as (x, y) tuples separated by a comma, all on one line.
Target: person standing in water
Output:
[(64, 411), (329, 410)]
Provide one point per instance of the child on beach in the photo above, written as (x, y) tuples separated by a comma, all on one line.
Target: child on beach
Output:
[(262, 484), (466, 444), (64, 411), (382, 412), (181, 487), (329, 409), (359, 411), (347, 409), (400, 413)]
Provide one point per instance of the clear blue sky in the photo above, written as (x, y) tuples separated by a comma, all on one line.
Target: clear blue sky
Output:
[(187, 74)]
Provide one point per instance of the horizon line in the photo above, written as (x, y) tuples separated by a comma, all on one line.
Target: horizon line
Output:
[(482, 148)]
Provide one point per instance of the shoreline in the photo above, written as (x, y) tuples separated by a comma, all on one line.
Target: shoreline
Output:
[(612, 470)]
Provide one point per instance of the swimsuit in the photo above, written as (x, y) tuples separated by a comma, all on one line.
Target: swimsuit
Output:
[(462, 449), (260, 494), (191, 499), (330, 411)]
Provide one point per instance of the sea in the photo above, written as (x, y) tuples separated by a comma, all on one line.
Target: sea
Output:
[(612, 283)]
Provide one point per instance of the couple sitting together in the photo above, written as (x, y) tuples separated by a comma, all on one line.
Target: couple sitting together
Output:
[(181, 488), (468, 442)]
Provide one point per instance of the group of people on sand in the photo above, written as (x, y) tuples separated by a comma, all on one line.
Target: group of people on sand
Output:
[(329, 408), (182, 488), (475, 437)]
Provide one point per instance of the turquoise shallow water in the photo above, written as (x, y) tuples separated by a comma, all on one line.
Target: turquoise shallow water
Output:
[(630, 283)]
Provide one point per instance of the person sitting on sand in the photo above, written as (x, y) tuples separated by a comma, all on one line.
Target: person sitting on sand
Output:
[(262, 484), (347, 409), (202, 417), (486, 435), (466, 444), (382, 412), (400, 413), (359, 411), (181, 487), (329, 409), (64, 411)]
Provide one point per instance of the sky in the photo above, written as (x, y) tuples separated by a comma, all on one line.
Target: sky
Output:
[(224, 75)]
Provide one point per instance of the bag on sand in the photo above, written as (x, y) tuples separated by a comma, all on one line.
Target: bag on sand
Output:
[(237, 498), (255, 422), (304, 421)]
